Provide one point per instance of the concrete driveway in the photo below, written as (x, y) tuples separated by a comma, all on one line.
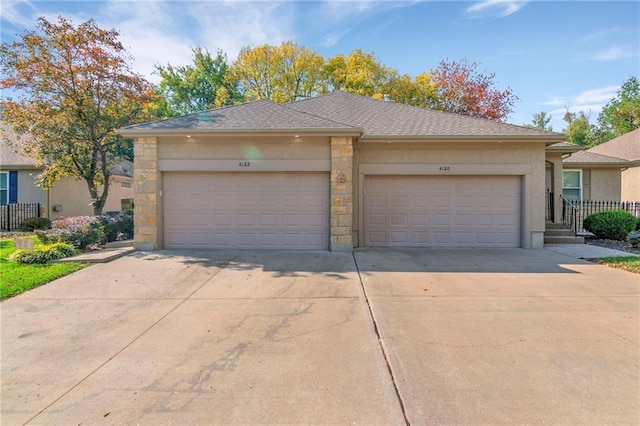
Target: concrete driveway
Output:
[(460, 336)]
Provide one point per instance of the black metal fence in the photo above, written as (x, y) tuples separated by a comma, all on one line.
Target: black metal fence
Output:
[(12, 215), (549, 214), (574, 212)]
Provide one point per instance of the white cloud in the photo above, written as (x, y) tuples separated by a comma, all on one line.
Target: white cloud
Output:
[(556, 101), (12, 12), (332, 39), (599, 95), (494, 8), (614, 53), (599, 34), (331, 16), (590, 101), (229, 26)]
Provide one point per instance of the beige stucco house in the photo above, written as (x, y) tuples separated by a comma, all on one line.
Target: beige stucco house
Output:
[(627, 148), (335, 172), (594, 177), (68, 197)]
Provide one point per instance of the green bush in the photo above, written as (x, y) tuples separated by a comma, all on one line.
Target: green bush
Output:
[(33, 223), (44, 254), (118, 227), (633, 238), (128, 212), (610, 225)]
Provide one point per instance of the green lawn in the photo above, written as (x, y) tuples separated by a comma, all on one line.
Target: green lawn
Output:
[(16, 278), (627, 263)]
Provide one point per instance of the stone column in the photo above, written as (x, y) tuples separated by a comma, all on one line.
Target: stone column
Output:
[(146, 180), (341, 194)]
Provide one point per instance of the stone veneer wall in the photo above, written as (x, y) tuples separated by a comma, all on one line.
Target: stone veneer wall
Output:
[(341, 194), (147, 184)]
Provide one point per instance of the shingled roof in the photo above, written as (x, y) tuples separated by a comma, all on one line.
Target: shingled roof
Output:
[(384, 119), (260, 116), (10, 157), (626, 146), (591, 158), (340, 113)]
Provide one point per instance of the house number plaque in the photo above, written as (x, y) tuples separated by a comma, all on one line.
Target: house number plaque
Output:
[(445, 168), (244, 164)]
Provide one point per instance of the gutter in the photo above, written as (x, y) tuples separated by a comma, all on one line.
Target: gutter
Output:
[(132, 133)]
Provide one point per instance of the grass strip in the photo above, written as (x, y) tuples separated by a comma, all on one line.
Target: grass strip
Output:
[(16, 278), (626, 263)]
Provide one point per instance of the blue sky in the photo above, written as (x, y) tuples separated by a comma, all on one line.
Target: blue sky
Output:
[(553, 54)]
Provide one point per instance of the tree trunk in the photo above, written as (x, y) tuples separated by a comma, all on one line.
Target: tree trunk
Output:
[(96, 201)]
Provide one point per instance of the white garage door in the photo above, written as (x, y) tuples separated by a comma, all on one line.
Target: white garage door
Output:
[(442, 211), (246, 210)]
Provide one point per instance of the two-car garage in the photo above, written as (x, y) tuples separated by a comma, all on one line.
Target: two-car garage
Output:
[(442, 211)]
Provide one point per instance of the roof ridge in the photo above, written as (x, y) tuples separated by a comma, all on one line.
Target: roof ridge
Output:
[(318, 116)]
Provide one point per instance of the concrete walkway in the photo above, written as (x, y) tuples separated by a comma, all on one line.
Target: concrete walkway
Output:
[(378, 337), (586, 251)]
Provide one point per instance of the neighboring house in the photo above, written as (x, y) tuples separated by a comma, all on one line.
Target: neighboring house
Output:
[(588, 176), (626, 147), (68, 197), (339, 171)]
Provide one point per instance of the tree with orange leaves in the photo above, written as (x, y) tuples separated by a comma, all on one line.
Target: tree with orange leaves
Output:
[(71, 86), (463, 90)]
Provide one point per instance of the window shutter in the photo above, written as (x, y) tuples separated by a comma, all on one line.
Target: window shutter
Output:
[(13, 187)]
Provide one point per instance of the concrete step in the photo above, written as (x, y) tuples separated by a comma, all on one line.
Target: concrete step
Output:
[(559, 233), (118, 244), (551, 225), (563, 240)]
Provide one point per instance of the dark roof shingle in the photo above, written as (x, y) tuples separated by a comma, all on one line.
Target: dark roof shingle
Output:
[(389, 119), (258, 115), (626, 146)]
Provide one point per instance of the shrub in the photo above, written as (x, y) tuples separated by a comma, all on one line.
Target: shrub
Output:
[(610, 225), (118, 227), (128, 212), (44, 254), (33, 223), (81, 231), (633, 238)]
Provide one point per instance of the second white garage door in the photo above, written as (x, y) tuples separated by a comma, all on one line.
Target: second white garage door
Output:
[(442, 211), (246, 210)]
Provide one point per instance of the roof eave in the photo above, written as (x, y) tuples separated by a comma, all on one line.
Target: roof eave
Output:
[(547, 139), (133, 133), (595, 164)]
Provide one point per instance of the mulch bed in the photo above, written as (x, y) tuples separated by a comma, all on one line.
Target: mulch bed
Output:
[(612, 244)]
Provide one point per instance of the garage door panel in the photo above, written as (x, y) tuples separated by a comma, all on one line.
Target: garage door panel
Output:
[(246, 210), (442, 211)]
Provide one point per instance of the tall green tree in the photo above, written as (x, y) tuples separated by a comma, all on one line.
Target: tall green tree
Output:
[(280, 73), (360, 73), (622, 114), (540, 121), (72, 85), (579, 130), (196, 87), (420, 91)]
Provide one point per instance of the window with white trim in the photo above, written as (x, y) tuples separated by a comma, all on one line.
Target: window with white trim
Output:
[(4, 187), (572, 184)]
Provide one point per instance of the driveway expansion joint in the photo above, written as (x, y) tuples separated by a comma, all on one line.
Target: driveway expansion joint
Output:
[(381, 345)]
